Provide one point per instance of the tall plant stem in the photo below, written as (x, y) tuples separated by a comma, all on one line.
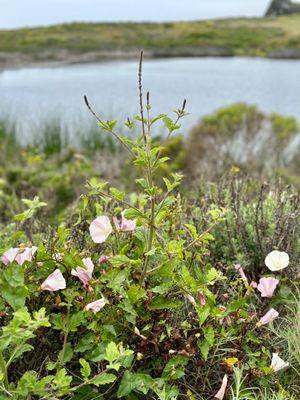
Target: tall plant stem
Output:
[(66, 334), (3, 369)]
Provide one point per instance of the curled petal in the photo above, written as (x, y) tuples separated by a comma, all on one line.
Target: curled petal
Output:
[(127, 225), (84, 274), (100, 229), (202, 298), (268, 317), (241, 272), (54, 282), (191, 299), (96, 306), (221, 393), (277, 260)]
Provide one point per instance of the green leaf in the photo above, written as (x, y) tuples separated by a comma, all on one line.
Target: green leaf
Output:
[(119, 260), (174, 368), (86, 369), (104, 379), (14, 275), (204, 349), (15, 296), (160, 303), (76, 320), (130, 382), (112, 352)]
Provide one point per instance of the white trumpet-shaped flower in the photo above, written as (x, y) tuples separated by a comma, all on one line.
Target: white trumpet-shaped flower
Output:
[(277, 260)]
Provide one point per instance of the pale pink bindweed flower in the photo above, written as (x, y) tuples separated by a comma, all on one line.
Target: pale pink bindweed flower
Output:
[(96, 306), (19, 255), (10, 255), (278, 363), (241, 272), (267, 286), (277, 260), (127, 225), (268, 317), (54, 282), (100, 229), (26, 255), (221, 393), (85, 274)]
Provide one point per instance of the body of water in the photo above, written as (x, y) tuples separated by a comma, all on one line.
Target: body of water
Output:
[(34, 96)]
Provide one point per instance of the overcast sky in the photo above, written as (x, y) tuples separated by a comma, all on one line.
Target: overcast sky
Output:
[(16, 13)]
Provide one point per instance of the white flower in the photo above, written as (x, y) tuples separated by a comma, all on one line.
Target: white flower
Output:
[(277, 260), (277, 363)]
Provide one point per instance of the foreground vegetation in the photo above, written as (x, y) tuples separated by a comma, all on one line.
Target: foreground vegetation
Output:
[(146, 286), (264, 37)]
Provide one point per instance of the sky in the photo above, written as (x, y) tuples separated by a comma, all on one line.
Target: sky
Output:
[(18, 13)]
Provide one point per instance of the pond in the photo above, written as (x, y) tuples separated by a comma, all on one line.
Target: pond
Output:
[(32, 97)]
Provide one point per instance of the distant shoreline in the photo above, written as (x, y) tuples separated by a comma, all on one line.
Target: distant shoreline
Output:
[(275, 38), (20, 60)]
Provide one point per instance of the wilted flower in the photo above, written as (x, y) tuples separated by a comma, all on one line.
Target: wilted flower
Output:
[(202, 298), (103, 259), (267, 286), (221, 393), (127, 225), (268, 317), (84, 274), (100, 229), (278, 363), (191, 299), (241, 272), (96, 306), (277, 260), (253, 285), (54, 282)]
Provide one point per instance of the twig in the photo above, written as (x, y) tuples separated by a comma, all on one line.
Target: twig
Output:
[(103, 124)]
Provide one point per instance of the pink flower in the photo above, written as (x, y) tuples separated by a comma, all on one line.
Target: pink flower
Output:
[(10, 255), (96, 306), (267, 286), (221, 393), (54, 282), (191, 299), (241, 272), (202, 298), (268, 317), (100, 229), (26, 255), (84, 274), (127, 225), (18, 255)]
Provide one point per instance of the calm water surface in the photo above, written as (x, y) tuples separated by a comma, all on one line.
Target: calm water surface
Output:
[(33, 96)]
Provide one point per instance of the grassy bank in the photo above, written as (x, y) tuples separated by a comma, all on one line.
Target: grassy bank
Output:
[(271, 37)]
